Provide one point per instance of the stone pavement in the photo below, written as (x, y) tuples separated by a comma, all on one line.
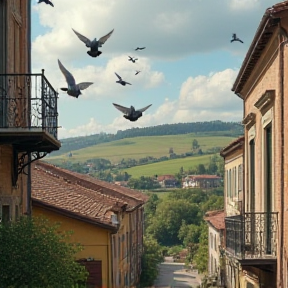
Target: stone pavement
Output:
[(174, 275)]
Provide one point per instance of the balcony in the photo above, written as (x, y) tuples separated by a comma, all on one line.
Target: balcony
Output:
[(252, 237), (28, 113)]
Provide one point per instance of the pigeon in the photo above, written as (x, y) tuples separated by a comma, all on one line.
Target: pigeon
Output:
[(235, 38), (132, 59), (94, 44), (130, 113), (46, 1), (137, 72), (120, 81), (73, 88), (140, 48)]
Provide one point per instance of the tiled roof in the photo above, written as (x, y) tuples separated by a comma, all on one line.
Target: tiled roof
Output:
[(199, 177), (237, 143), (165, 177), (81, 195), (216, 219)]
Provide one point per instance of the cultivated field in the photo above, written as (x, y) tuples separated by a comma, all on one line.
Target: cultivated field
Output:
[(141, 147)]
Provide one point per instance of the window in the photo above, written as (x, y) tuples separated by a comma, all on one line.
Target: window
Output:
[(5, 213), (252, 175), (240, 177)]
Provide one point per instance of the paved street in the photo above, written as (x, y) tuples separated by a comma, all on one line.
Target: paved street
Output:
[(174, 275)]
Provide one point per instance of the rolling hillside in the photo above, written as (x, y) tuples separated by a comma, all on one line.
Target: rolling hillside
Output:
[(140, 147)]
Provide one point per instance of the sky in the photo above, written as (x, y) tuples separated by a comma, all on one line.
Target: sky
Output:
[(187, 69)]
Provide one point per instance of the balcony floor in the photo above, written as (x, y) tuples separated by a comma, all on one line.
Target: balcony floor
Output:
[(29, 140)]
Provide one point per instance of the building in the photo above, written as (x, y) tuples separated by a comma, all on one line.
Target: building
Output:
[(167, 181), (28, 110), (201, 181), (107, 220), (216, 228), (258, 239)]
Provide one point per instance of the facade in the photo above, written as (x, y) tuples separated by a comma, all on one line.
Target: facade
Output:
[(107, 220), (167, 181), (28, 116), (216, 228), (258, 238), (201, 181)]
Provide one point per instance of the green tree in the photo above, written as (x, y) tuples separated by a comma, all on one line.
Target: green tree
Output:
[(151, 257), (200, 169), (33, 253), (195, 144), (189, 233)]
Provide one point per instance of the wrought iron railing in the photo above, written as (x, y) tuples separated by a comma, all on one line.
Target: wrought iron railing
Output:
[(28, 101), (252, 235)]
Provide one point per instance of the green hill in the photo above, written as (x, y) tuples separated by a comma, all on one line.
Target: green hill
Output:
[(140, 147)]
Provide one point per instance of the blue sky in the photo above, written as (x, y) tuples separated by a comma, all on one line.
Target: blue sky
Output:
[(187, 69)]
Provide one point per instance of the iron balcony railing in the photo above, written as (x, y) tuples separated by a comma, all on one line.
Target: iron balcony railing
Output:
[(28, 101), (252, 235)]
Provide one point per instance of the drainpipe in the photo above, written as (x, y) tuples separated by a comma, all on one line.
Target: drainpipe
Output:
[(281, 88)]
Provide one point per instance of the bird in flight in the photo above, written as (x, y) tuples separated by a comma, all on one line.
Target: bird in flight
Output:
[(235, 38), (140, 48), (132, 59), (137, 72), (46, 1), (130, 113), (93, 44), (121, 81), (73, 88)]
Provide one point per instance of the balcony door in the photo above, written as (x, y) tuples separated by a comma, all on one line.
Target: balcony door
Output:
[(252, 175)]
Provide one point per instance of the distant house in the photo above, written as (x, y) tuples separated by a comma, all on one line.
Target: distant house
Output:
[(216, 224), (106, 219), (167, 181), (201, 181), (121, 183)]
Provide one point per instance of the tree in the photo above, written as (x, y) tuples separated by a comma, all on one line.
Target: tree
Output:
[(33, 253), (151, 257), (195, 144), (171, 151), (201, 169)]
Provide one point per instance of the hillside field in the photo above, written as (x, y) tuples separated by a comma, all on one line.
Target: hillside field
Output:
[(167, 167), (141, 147)]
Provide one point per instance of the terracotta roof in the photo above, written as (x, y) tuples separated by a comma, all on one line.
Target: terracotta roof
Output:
[(263, 34), (165, 177), (216, 219), (81, 196), (238, 143), (199, 177)]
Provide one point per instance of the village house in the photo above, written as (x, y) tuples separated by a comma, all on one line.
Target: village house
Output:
[(106, 219), (201, 181), (167, 181), (258, 238), (28, 116), (216, 228)]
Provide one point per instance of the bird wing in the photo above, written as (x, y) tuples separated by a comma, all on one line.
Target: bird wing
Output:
[(69, 77), (83, 38), (130, 58), (103, 39), (123, 109), (49, 2), (234, 35), (241, 41), (128, 83), (84, 85), (118, 76), (145, 108)]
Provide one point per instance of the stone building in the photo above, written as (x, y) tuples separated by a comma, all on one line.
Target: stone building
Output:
[(28, 110)]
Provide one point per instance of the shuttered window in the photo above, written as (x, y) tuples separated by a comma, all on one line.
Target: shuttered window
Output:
[(252, 175)]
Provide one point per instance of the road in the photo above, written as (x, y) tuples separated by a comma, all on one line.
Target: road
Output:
[(174, 275)]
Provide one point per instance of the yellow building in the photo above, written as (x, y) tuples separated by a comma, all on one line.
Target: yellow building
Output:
[(107, 220), (28, 110)]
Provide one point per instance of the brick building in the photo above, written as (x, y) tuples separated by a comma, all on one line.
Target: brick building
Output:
[(259, 241), (28, 110)]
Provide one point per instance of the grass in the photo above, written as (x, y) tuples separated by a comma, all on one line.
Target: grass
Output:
[(167, 167), (140, 147)]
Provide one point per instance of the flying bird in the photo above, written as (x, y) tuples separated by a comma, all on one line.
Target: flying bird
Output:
[(132, 59), (93, 44), (121, 81), (73, 88), (46, 1), (130, 113), (235, 38), (140, 48), (137, 72)]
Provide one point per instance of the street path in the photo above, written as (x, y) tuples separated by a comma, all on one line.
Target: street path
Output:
[(174, 275)]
